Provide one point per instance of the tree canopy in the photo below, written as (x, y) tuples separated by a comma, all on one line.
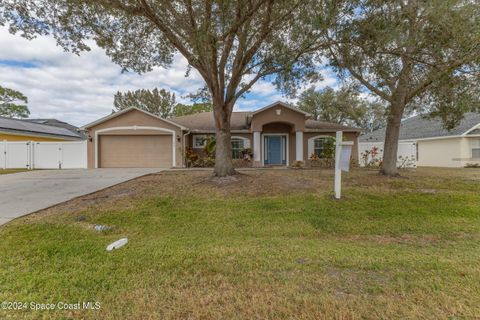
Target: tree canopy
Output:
[(13, 104), (412, 54), (159, 102), (344, 106)]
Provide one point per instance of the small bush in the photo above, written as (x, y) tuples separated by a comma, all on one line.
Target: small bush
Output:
[(205, 162), (298, 164), (472, 165)]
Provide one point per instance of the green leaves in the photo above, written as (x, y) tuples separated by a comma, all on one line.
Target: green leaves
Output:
[(344, 106), (159, 102), (9, 104)]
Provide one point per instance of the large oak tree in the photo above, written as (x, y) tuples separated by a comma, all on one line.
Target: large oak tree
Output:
[(231, 43), (413, 54)]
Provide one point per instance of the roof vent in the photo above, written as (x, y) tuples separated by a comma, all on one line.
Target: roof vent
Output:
[(279, 111)]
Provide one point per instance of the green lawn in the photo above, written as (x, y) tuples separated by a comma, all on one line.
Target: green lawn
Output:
[(8, 171), (273, 245)]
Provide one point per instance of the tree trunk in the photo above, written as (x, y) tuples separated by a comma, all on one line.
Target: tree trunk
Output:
[(223, 148), (392, 133)]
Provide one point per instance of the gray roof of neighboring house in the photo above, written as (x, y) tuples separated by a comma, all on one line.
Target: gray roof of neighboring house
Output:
[(239, 121), (420, 127), (59, 124), (27, 127)]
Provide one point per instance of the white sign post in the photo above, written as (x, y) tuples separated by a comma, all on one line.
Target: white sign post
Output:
[(343, 152)]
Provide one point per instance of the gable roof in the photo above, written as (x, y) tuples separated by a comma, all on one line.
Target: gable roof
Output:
[(420, 127), (118, 113), (283, 104), (204, 122), (21, 126)]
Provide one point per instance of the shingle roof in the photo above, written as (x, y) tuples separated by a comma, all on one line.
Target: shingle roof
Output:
[(239, 121), (27, 127), (420, 127)]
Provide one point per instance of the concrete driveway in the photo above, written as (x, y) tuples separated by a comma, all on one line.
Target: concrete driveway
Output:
[(27, 192)]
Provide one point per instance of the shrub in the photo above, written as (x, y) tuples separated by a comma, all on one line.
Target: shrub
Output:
[(371, 158), (317, 162), (205, 162), (191, 156), (298, 164), (472, 165)]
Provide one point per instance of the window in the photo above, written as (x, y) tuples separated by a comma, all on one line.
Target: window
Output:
[(476, 149), (238, 146), (199, 141), (324, 147)]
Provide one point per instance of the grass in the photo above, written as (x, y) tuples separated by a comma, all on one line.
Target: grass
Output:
[(273, 245), (8, 171)]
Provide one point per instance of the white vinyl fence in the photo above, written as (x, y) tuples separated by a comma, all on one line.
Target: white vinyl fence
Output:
[(43, 155), (407, 153)]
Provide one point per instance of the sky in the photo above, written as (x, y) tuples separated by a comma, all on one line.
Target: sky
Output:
[(80, 89)]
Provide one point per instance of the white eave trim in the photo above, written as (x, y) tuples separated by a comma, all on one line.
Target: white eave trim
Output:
[(283, 104), (118, 113), (475, 127)]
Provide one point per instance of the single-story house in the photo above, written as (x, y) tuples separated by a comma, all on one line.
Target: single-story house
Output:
[(37, 130), (277, 134), (435, 145)]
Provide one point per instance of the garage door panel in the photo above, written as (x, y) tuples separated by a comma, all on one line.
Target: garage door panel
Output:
[(135, 151)]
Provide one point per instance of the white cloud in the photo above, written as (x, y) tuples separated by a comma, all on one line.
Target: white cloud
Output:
[(78, 89)]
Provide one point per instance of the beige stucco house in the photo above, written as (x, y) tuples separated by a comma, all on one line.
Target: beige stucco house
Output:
[(435, 145), (277, 134)]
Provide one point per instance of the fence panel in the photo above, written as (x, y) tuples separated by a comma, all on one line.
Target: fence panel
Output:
[(74, 155), (43, 155), (46, 155), (18, 155)]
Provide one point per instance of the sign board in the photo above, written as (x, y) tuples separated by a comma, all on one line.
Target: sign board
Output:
[(345, 156)]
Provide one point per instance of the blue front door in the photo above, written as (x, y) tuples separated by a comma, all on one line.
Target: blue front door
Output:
[(274, 147)]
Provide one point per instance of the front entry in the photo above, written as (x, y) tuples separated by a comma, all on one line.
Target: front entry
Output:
[(275, 147)]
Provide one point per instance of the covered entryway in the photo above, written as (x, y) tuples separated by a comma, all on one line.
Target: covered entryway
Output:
[(135, 151)]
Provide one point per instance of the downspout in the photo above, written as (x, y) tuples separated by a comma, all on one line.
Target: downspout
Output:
[(183, 149)]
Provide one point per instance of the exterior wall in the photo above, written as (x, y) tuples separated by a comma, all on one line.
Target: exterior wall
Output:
[(442, 152), (130, 119), (348, 136), (12, 137), (294, 118)]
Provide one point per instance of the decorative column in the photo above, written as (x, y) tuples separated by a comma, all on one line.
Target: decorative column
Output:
[(299, 146), (257, 147)]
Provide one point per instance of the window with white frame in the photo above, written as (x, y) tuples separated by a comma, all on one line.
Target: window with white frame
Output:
[(321, 146), (199, 141), (238, 145), (476, 149)]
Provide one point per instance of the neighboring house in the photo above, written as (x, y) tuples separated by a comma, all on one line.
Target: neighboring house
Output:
[(436, 146), (59, 124), (29, 130), (278, 134)]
